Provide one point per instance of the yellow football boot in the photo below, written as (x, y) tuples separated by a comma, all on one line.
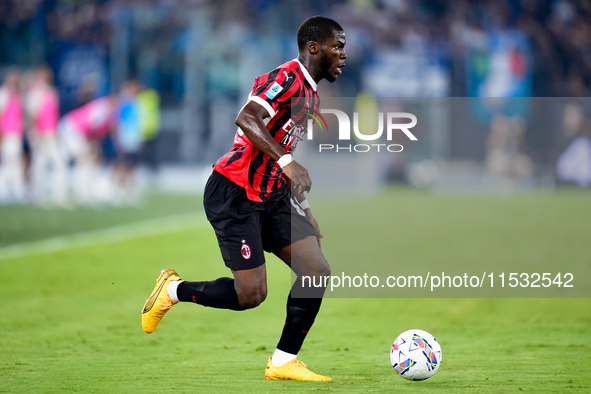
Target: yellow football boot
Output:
[(159, 303), (293, 370)]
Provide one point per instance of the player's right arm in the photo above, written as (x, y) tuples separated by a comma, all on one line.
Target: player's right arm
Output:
[(250, 119)]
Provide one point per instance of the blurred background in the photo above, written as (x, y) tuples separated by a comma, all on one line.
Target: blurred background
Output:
[(170, 76)]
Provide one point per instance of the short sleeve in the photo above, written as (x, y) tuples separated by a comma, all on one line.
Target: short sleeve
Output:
[(274, 89)]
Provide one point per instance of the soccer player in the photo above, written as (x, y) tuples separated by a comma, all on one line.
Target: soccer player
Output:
[(80, 131), (48, 166), (249, 201), (128, 140), (12, 178)]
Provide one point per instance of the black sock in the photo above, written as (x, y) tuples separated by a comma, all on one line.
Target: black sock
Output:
[(219, 293), (301, 313)]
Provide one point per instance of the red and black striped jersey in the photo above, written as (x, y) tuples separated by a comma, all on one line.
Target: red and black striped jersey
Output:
[(289, 94)]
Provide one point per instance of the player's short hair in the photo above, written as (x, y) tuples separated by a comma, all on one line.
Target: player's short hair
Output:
[(316, 28)]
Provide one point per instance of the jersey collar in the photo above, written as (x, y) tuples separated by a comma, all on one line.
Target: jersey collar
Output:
[(307, 75)]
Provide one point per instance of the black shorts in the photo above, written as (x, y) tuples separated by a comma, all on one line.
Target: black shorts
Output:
[(246, 229)]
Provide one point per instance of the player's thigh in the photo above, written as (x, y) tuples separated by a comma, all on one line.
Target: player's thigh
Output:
[(283, 224), (238, 230), (305, 257), (240, 243)]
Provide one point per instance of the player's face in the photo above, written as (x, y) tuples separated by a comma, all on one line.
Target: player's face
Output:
[(332, 56)]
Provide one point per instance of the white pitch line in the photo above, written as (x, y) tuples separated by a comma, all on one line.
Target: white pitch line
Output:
[(124, 232)]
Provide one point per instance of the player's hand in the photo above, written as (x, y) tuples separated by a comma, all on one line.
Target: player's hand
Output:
[(298, 176), (314, 223)]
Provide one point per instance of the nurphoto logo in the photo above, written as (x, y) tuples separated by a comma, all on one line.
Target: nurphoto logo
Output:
[(396, 122)]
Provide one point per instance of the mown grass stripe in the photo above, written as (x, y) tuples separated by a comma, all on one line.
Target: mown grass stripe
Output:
[(141, 229)]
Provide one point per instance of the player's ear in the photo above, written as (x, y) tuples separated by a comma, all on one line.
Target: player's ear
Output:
[(313, 47)]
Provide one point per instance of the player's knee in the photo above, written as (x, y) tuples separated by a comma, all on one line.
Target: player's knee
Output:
[(253, 298), (325, 269), (317, 276), (321, 270)]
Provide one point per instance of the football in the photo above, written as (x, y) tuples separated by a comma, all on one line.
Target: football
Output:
[(415, 355)]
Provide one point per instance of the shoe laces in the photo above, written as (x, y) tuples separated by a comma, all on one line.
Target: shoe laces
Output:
[(300, 364)]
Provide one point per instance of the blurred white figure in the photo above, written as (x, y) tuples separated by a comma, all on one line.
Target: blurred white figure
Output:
[(505, 156), (48, 163), (12, 180), (80, 132), (574, 163)]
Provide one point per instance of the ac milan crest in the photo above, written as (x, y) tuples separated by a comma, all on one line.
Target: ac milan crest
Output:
[(245, 250)]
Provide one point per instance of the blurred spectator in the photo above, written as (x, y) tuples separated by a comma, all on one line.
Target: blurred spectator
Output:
[(12, 182), (48, 165), (149, 110), (81, 131), (436, 36), (574, 164), (198, 55), (128, 139), (505, 156)]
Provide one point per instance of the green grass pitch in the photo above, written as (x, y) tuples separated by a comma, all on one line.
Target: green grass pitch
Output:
[(70, 319)]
